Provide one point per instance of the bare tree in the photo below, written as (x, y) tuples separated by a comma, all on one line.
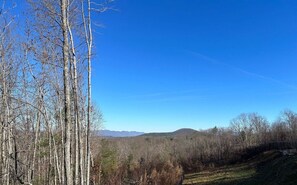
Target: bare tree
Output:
[(89, 42), (259, 126), (67, 119), (7, 84)]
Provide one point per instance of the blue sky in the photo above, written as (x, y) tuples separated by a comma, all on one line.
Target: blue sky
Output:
[(165, 65), (161, 65)]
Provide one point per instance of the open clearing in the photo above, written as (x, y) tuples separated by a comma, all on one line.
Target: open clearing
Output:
[(268, 168)]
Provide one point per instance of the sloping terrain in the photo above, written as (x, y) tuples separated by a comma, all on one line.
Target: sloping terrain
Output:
[(268, 168), (180, 132)]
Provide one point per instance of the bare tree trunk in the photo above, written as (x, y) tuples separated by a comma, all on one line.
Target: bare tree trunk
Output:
[(57, 160), (82, 158), (6, 135), (89, 41), (67, 158), (37, 130), (76, 109)]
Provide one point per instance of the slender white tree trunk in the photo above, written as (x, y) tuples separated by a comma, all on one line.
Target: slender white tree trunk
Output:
[(76, 109), (67, 119), (89, 41)]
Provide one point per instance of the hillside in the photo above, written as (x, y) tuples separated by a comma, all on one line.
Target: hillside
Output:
[(180, 132), (268, 168)]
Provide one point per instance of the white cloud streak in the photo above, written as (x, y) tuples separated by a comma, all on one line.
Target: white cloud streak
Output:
[(248, 73)]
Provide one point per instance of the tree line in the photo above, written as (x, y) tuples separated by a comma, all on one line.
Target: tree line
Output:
[(46, 110), (163, 159)]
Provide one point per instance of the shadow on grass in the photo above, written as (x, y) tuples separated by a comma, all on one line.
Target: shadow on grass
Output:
[(267, 169)]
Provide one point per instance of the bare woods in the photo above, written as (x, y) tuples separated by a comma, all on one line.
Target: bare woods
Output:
[(45, 91), (163, 158)]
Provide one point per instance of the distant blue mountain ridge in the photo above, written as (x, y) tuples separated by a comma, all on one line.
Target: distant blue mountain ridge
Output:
[(110, 133)]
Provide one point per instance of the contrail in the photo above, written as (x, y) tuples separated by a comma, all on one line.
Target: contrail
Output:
[(235, 68)]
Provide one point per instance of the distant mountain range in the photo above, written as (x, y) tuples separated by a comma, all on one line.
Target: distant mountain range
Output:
[(110, 133), (180, 132)]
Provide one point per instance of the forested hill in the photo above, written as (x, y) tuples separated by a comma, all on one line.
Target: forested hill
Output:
[(180, 132)]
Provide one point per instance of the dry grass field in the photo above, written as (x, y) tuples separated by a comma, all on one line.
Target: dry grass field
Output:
[(269, 168)]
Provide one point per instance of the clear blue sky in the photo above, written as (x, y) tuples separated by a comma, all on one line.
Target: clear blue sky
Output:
[(169, 64), (162, 65)]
